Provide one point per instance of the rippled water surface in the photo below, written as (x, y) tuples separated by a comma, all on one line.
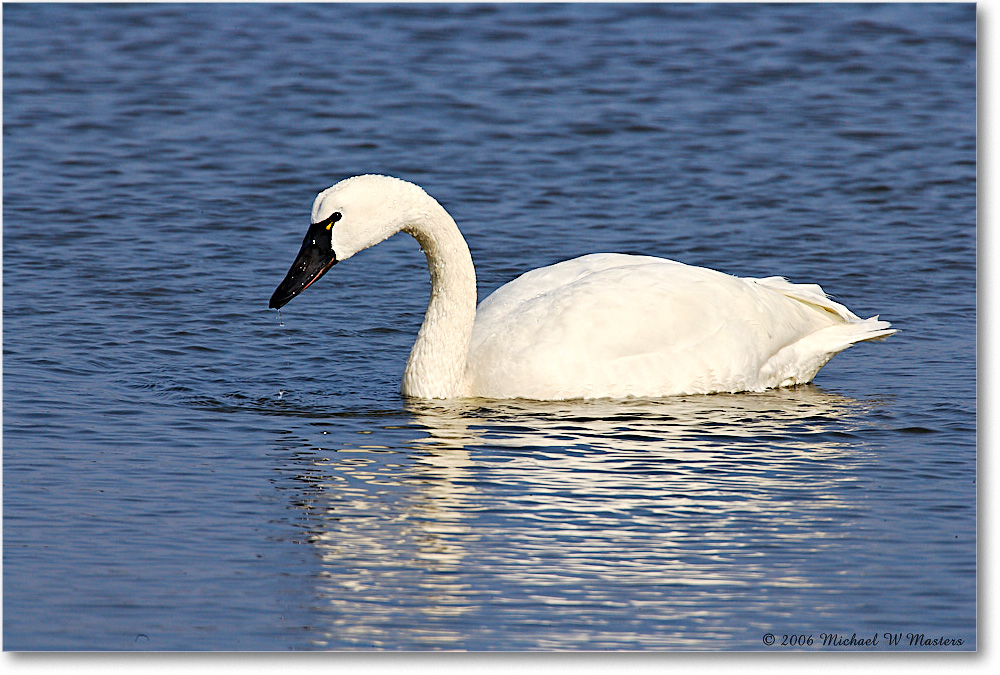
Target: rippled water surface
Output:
[(185, 470)]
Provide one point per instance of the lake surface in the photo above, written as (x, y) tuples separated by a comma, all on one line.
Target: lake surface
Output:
[(185, 470)]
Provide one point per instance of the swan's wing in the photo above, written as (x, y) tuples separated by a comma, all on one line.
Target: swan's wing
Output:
[(617, 325)]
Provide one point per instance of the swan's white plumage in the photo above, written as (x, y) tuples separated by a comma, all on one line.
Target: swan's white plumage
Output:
[(602, 325)]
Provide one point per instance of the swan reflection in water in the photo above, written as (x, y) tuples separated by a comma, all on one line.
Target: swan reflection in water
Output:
[(600, 524)]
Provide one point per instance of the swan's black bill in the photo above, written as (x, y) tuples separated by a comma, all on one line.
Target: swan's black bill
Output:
[(314, 259)]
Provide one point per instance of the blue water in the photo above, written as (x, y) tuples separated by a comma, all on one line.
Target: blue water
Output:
[(183, 470)]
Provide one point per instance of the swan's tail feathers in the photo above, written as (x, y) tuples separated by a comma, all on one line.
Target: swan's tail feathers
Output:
[(843, 335), (801, 361), (876, 329), (850, 328), (854, 327)]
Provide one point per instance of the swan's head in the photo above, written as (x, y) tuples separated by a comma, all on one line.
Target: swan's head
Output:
[(349, 217)]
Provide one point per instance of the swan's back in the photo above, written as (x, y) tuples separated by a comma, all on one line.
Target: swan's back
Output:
[(613, 325)]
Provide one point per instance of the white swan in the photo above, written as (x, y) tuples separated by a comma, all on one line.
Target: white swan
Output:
[(602, 325)]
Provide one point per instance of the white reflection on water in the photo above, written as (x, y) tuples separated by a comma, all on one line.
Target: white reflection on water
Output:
[(628, 524), (681, 423)]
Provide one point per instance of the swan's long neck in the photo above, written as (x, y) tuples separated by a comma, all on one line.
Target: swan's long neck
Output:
[(436, 367)]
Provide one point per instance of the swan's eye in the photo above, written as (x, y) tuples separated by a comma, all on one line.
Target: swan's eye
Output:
[(330, 220)]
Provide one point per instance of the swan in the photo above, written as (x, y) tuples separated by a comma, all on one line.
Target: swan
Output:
[(605, 325)]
